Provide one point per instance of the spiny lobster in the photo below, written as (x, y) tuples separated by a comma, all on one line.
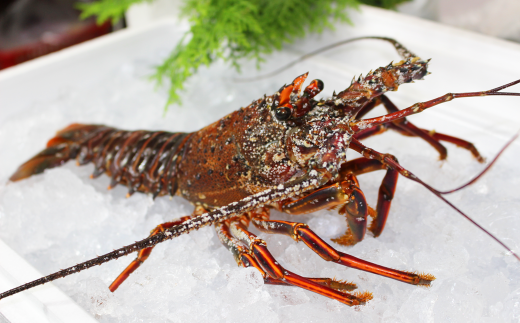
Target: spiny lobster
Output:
[(286, 151)]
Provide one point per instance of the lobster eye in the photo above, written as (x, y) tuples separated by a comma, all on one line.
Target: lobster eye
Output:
[(283, 113)]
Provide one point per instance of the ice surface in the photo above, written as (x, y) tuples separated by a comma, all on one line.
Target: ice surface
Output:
[(62, 217)]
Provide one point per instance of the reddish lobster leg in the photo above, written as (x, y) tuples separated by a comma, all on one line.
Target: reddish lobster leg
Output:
[(249, 251), (262, 259), (258, 256), (351, 201), (327, 282), (143, 254), (301, 232), (358, 126), (344, 194), (459, 142), (244, 258), (406, 128), (386, 190)]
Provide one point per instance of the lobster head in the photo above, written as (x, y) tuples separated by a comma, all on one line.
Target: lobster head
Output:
[(319, 132)]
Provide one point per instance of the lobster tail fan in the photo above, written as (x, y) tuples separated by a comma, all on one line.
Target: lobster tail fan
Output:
[(48, 158), (59, 150)]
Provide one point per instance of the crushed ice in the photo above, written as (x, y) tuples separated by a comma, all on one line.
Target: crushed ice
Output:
[(62, 217)]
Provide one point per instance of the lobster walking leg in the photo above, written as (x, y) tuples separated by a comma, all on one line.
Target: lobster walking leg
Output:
[(459, 142), (406, 128), (386, 190), (391, 163), (301, 232), (246, 257), (327, 282), (346, 194), (259, 256), (360, 125), (143, 254), (403, 126)]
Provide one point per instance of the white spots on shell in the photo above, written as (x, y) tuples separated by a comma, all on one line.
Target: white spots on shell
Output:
[(362, 125), (240, 234), (346, 138), (278, 157)]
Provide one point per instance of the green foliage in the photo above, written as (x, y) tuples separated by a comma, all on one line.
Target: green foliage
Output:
[(234, 29), (248, 29), (106, 9), (387, 4)]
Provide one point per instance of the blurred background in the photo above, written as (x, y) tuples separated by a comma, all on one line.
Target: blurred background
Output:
[(32, 28), (498, 18)]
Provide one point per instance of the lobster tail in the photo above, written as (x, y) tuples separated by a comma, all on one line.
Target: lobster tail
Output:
[(60, 149), (144, 161)]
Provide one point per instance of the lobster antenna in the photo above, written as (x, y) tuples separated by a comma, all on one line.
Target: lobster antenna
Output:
[(401, 50), (439, 194), (434, 191), (312, 181), (476, 178)]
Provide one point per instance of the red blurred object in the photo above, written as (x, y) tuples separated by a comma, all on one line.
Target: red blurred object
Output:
[(51, 44), (33, 28)]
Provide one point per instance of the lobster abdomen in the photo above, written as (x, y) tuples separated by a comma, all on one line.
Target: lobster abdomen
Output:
[(144, 161)]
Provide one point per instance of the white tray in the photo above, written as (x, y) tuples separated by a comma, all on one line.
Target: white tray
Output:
[(462, 61)]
